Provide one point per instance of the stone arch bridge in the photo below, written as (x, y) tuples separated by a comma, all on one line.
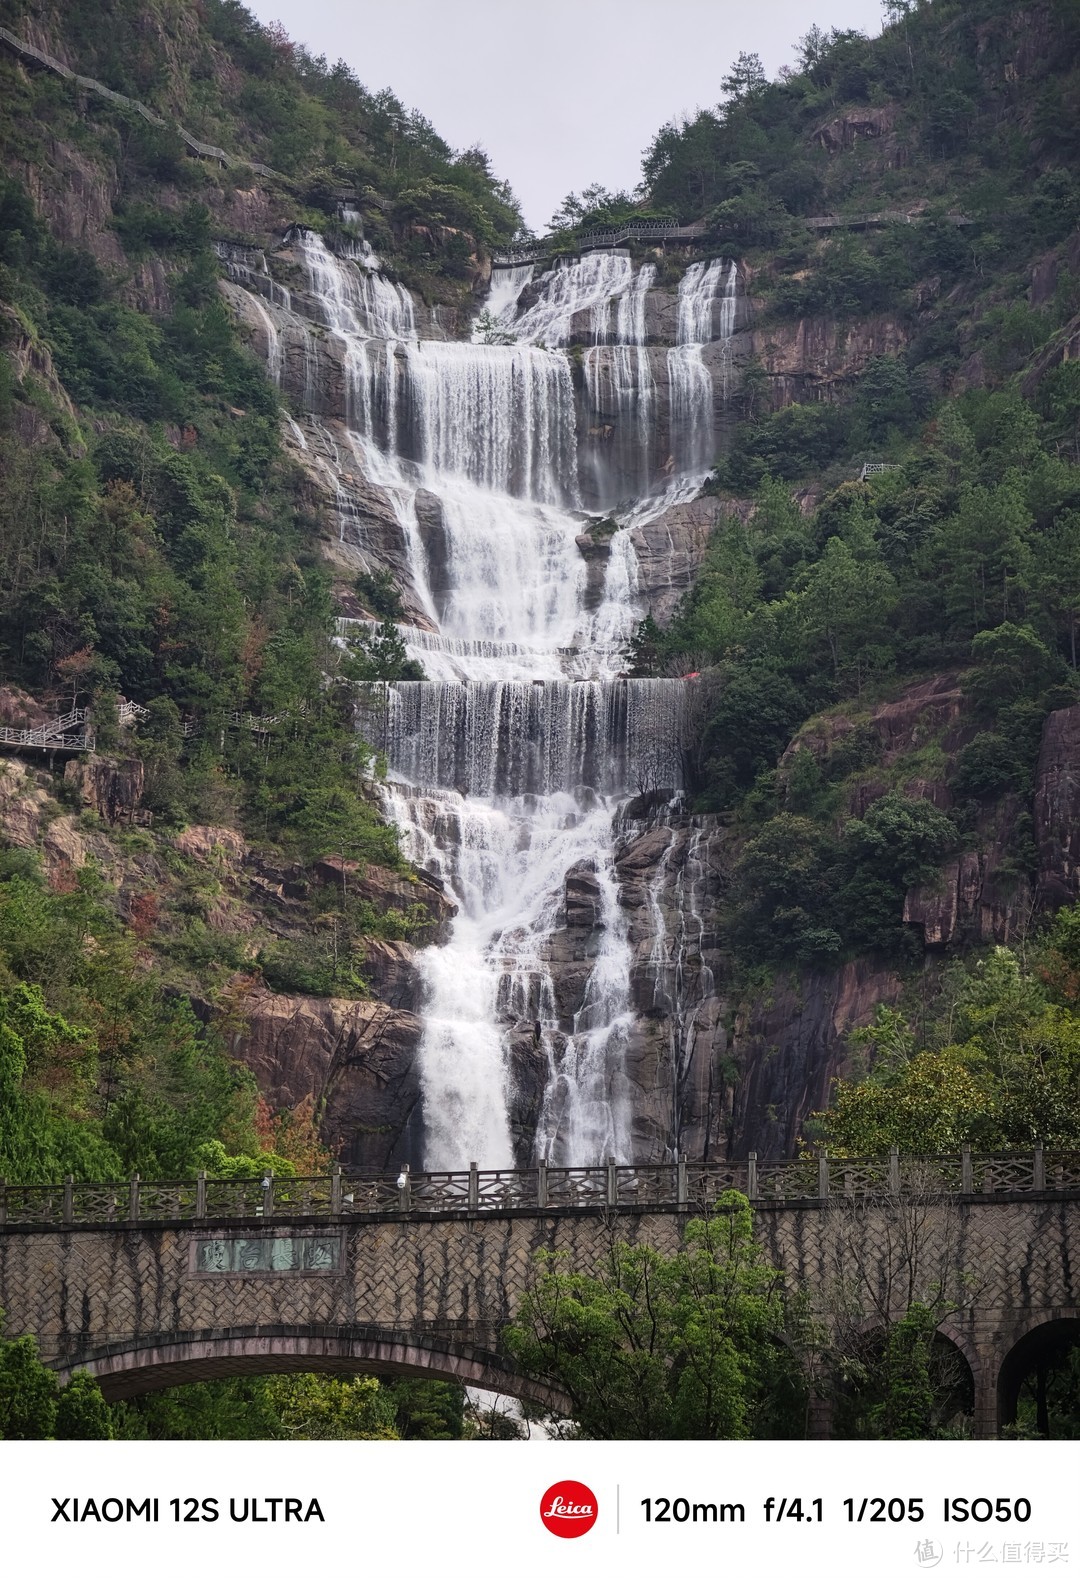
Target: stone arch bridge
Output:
[(150, 1285)]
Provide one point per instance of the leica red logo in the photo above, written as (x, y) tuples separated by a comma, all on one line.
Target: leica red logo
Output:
[(568, 1509)]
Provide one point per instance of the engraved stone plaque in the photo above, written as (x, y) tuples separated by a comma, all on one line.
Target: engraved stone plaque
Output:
[(240, 1257)]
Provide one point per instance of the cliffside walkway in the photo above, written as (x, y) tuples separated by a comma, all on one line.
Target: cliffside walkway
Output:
[(596, 240), (64, 735), (32, 56), (149, 1285)]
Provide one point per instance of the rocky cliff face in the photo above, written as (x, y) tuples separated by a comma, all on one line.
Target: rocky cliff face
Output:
[(356, 1061)]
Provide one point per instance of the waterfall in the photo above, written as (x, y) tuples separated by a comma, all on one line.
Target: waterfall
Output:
[(507, 285), (682, 983), (508, 764), (509, 738), (572, 287), (501, 416), (357, 301), (621, 391), (690, 382)]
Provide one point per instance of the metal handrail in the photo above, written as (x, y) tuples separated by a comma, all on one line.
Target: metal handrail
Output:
[(650, 229), (676, 1185), (57, 733)]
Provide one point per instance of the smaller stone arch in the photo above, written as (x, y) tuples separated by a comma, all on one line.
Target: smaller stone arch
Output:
[(960, 1373), (1044, 1337), (955, 1372)]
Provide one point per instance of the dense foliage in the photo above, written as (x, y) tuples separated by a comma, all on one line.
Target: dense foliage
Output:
[(296, 1408), (708, 1343), (102, 1071), (35, 1407), (994, 1064), (252, 90), (657, 1347), (955, 560), (931, 83)]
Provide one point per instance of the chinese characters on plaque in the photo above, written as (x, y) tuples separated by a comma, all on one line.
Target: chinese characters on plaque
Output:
[(237, 1256)]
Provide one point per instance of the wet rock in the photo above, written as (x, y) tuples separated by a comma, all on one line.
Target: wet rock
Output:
[(111, 787), (429, 517), (671, 548), (582, 897), (390, 971), (360, 530), (1057, 808), (529, 1069), (791, 1046), (643, 805)]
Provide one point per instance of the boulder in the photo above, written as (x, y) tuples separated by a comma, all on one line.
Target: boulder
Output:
[(582, 897), (212, 844)]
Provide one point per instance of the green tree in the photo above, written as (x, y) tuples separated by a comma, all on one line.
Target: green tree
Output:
[(843, 604), (82, 1414), (657, 1347), (379, 654), (28, 1392), (745, 78), (904, 1409), (931, 1106), (982, 555)]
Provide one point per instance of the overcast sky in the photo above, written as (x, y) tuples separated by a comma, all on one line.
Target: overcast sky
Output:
[(560, 92)]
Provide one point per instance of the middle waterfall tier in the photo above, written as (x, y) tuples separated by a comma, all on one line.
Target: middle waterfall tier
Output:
[(613, 737)]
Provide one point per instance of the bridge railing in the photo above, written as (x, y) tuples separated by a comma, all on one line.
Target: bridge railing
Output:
[(677, 1185)]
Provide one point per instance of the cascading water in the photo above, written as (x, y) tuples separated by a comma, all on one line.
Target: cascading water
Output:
[(571, 288), (691, 384), (621, 391), (506, 767)]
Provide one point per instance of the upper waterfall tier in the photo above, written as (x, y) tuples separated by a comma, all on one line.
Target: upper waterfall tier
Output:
[(636, 406), (573, 287), (357, 300)]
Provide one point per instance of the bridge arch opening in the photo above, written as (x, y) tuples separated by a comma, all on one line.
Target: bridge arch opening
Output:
[(157, 1364), (867, 1409), (1039, 1382)]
